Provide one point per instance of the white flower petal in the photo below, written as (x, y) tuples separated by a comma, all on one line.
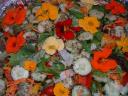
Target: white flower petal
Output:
[(82, 66), (18, 72), (38, 76), (67, 57), (66, 74)]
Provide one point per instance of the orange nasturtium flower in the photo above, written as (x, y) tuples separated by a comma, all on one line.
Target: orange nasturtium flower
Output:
[(29, 65), (109, 41), (14, 16), (123, 44), (35, 88), (101, 61), (14, 43), (60, 90), (89, 24), (47, 11)]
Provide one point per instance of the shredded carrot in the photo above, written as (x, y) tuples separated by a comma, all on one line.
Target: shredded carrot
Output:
[(11, 90), (7, 72), (12, 86)]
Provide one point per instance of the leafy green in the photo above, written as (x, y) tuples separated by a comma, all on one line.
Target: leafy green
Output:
[(45, 69), (58, 66), (40, 65), (97, 86), (87, 46), (16, 58), (99, 8), (44, 35), (16, 27), (105, 20), (25, 52), (55, 69), (100, 74), (38, 56), (76, 13), (94, 87), (97, 38), (119, 70), (74, 21), (28, 49)]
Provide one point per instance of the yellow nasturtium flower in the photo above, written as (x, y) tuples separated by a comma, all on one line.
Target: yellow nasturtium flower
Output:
[(29, 65), (52, 44), (89, 24), (60, 90), (89, 3), (123, 44), (47, 11)]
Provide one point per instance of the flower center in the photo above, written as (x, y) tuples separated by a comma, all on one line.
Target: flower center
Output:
[(90, 23), (102, 60), (65, 29), (45, 12), (52, 47), (14, 44), (12, 18), (62, 91)]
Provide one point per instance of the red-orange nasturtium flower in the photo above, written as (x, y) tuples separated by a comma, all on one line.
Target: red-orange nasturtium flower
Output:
[(115, 7), (124, 80), (14, 43), (101, 61), (84, 80), (14, 16)]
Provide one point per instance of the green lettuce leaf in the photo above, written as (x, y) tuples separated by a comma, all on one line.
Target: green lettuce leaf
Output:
[(76, 13)]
